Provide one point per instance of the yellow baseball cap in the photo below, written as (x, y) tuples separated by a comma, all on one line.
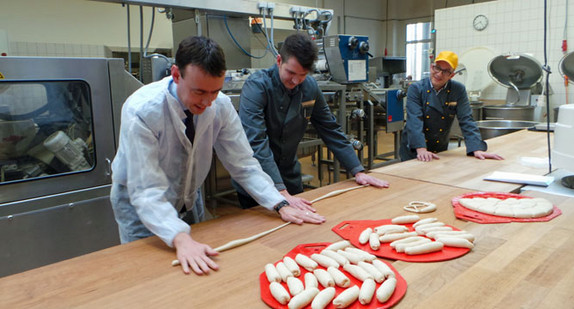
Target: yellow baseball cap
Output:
[(448, 57)]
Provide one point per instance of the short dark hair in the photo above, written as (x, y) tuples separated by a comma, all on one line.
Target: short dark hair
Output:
[(202, 52), (300, 46)]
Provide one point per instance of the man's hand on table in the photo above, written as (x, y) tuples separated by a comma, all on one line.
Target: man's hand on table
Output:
[(297, 202), (485, 155), (298, 216), (194, 255), (364, 179), (426, 156)]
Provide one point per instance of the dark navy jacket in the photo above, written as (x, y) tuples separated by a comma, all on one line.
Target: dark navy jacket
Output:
[(430, 116), (274, 123)]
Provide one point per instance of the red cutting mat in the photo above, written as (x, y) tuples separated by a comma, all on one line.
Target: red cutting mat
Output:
[(464, 213), (350, 230), (308, 250)]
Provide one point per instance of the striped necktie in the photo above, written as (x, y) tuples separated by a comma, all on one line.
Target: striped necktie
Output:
[(189, 128)]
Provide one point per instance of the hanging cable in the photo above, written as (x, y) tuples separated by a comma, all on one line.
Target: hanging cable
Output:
[(129, 42), (237, 43), (269, 39), (149, 40), (546, 68), (141, 44)]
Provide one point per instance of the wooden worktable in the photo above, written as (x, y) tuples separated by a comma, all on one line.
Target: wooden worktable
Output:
[(456, 169), (513, 265)]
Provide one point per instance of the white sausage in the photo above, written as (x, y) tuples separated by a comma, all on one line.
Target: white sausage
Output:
[(392, 237), (367, 291), (311, 281), (425, 230), (295, 286), (305, 262), (405, 240), (366, 256), (339, 277), (390, 228), (340, 245), (323, 299), (352, 257), (425, 221), (371, 269), (374, 241), (272, 273), (386, 290), (324, 260), (466, 236), (364, 237), (383, 268), (357, 272), (303, 299), (401, 247), (405, 219), (455, 242), (347, 297), (335, 256), (283, 271), (279, 293), (427, 225), (292, 266), (324, 277), (424, 248)]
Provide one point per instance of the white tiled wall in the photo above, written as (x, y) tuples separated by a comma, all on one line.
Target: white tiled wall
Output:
[(515, 26), (56, 49)]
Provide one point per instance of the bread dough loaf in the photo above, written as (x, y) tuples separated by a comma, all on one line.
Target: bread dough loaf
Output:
[(510, 207)]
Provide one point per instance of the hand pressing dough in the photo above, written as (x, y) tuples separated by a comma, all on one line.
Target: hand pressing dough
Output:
[(383, 268), (305, 262), (324, 277), (295, 286), (424, 248), (347, 297), (324, 260), (311, 281), (374, 241), (365, 234), (455, 242), (373, 271), (335, 256), (340, 245), (279, 293), (303, 299), (323, 299), (357, 272), (272, 273), (283, 271), (292, 266), (367, 291), (339, 277), (386, 290), (405, 219)]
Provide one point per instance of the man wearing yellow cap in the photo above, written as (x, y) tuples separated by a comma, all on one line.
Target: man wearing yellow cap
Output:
[(432, 105)]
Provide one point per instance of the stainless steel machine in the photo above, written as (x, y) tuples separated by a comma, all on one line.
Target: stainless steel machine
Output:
[(59, 123)]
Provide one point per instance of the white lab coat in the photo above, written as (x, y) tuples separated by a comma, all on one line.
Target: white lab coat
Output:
[(161, 169)]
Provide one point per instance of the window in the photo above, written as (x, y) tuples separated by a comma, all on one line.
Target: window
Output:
[(418, 47), (45, 129)]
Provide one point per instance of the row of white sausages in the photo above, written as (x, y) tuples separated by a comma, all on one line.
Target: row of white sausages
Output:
[(363, 267), (409, 242)]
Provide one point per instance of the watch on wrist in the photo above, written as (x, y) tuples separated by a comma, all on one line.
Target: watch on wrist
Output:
[(281, 204)]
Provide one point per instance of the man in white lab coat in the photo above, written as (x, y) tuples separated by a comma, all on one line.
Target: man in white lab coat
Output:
[(161, 162)]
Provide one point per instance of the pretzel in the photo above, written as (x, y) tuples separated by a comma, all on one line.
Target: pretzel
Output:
[(420, 207)]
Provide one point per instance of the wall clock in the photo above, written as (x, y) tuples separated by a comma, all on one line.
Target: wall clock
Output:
[(480, 22)]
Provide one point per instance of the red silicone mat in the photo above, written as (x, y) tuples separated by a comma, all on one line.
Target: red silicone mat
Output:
[(308, 250), (350, 230), (464, 213)]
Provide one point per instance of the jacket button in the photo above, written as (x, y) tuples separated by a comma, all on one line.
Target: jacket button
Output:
[(427, 129), (440, 130), (428, 91), (442, 117), (428, 116), (426, 140), (437, 141), (428, 103)]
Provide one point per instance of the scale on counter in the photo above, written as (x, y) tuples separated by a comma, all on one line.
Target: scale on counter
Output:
[(517, 72)]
